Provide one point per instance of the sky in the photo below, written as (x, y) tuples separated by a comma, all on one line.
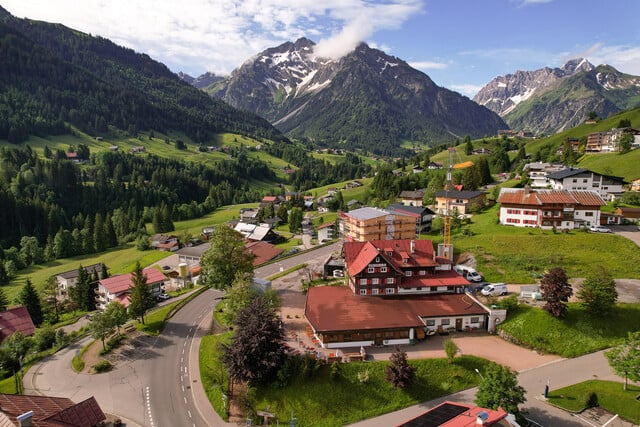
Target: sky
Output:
[(461, 44)]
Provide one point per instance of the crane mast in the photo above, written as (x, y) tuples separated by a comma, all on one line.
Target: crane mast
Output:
[(445, 249)]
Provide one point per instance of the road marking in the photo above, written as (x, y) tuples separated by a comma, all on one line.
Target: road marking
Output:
[(148, 399), (185, 400), (189, 412)]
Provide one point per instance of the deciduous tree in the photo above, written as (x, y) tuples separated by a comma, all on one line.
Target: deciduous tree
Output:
[(116, 313), (625, 358), (226, 259), (598, 291), (499, 388), (101, 327), (450, 349), (556, 290), (399, 372), (257, 350)]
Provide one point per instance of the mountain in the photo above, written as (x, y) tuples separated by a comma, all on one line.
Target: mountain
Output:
[(51, 75), (550, 100), (202, 82), (365, 100)]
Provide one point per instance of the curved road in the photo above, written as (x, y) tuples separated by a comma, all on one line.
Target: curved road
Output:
[(169, 396)]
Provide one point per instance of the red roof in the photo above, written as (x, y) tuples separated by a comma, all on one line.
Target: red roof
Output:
[(357, 255), (454, 414), (262, 251), (550, 197), (330, 308), (52, 411), (122, 282), (15, 319), (269, 199), (441, 278)]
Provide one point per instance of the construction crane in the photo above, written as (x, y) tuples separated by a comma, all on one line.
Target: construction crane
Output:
[(445, 249)]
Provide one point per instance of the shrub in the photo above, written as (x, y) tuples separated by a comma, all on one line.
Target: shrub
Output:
[(334, 371), (451, 349), (102, 366), (592, 400), (363, 376)]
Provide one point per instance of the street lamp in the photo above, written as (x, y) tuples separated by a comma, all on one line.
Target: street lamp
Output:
[(478, 372)]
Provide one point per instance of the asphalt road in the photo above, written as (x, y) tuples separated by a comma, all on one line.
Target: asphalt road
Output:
[(169, 397), (316, 254)]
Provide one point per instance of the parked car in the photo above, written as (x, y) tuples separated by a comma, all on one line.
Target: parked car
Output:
[(599, 229), (479, 287), (163, 297), (474, 276), (495, 289)]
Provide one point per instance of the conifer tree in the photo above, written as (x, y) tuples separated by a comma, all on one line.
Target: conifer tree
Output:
[(140, 297), (31, 300)]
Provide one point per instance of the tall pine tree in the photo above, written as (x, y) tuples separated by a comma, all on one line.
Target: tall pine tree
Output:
[(140, 296), (31, 300)]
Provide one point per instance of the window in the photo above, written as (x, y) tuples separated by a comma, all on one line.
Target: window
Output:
[(444, 321), (383, 269), (408, 273), (375, 281), (388, 334), (391, 291), (363, 281), (371, 270), (390, 280), (475, 320), (374, 291), (422, 273), (363, 291), (588, 214), (377, 259), (431, 322)]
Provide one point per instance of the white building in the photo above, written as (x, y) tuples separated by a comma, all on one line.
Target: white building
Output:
[(562, 209), (608, 187)]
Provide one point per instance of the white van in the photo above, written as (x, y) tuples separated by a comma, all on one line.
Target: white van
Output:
[(468, 273), (495, 289)]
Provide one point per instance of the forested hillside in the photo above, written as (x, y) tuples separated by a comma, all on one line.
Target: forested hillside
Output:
[(51, 76)]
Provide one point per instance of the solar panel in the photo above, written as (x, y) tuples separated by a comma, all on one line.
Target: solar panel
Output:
[(436, 416)]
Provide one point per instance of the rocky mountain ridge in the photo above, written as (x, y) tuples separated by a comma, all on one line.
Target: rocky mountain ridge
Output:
[(365, 100)]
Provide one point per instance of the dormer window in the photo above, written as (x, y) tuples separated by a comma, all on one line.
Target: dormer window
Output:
[(408, 273), (405, 260), (390, 253)]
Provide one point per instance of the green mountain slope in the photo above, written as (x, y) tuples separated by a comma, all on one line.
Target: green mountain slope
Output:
[(566, 103), (50, 74)]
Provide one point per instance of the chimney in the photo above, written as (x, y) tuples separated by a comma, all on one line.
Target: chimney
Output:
[(25, 420), (413, 246)]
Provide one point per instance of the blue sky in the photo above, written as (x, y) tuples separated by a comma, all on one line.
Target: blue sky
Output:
[(460, 44)]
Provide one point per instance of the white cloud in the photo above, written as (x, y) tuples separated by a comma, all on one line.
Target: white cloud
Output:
[(624, 58), (218, 35), (466, 89), (428, 65)]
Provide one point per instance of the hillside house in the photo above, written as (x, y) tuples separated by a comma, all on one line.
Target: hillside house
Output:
[(537, 173), (422, 214), (326, 231), (562, 209), (463, 202), (397, 291), (117, 288), (412, 198), (16, 319), (454, 414), (635, 185), (608, 187), (257, 232), (68, 279), (165, 242), (262, 252), (367, 223)]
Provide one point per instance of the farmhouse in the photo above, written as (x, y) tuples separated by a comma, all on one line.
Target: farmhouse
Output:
[(608, 187), (562, 209), (117, 288), (68, 279), (461, 201), (422, 214), (397, 291), (15, 319)]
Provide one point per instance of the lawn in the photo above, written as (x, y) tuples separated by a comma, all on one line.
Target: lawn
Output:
[(320, 401), (119, 260), (517, 255), (577, 334), (611, 396)]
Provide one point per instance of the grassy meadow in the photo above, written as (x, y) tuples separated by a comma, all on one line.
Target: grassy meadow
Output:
[(578, 333), (611, 396), (318, 400)]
